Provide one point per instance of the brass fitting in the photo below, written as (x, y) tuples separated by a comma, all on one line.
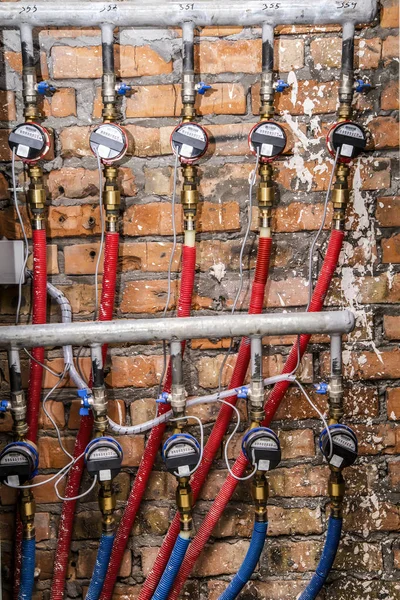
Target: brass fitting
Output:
[(344, 112), (335, 400), (260, 493), (265, 194), (340, 196), (184, 502), (27, 509), (267, 110), (111, 197), (188, 113), (336, 490), (18, 410), (189, 196), (110, 113), (107, 504), (36, 196), (256, 395)]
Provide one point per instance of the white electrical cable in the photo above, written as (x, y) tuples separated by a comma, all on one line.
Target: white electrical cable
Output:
[(170, 263), (40, 483), (26, 244), (185, 418), (242, 249), (208, 399), (50, 417), (74, 497), (321, 416), (228, 441)]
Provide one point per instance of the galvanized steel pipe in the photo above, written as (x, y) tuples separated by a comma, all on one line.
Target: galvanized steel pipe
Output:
[(146, 330), (173, 14)]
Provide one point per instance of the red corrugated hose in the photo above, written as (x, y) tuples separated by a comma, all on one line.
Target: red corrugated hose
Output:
[(155, 437), (39, 306), (221, 423), (85, 427), (224, 495)]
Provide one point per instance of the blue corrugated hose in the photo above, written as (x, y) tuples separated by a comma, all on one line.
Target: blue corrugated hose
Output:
[(100, 568), (326, 561), (249, 564), (27, 569), (172, 568)]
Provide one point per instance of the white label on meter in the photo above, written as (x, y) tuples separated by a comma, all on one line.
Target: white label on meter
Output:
[(193, 132), (345, 442), (186, 150), (265, 443), (267, 149), (29, 131), (14, 458), (111, 132), (100, 453), (184, 471), (350, 131), (103, 151), (180, 449), (336, 460), (269, 129), (263, 465), (346, 150), (22, 150), (105, 475)]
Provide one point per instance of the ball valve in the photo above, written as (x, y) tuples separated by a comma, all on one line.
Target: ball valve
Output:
[(347, 137), (18, 462), (262, 448)]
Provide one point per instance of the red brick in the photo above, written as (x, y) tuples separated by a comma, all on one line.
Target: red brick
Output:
[(62, 104), (388, 211), (390, 47), (384, 132), (311, 97), (135, 371), (393, 403), (391, 249), (8, 110), (327, 52), (389, 13), (394, 474), (390, 96), (373, 516)]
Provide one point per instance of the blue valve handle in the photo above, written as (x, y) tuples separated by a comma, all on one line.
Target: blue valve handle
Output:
[(243, 393), (281, 86), (123, 89), (45, 89), (321, 388), (4, 406), (362, 86), (202, 87), (163, 398), (85, 405)]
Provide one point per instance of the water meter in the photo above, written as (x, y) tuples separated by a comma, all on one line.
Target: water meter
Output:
[(345, 446), (189, 141), (262, 448), (181, 454), (103, 457), (268, 139), (29, 141), (110, 142), (349, 138), (18, 463)]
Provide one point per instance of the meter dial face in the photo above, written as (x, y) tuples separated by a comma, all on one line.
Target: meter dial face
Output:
[(268, 139), (181, 453), (349, 138), (189, 141), (29, 141), (345, 447), (262, 448), (109, 141)]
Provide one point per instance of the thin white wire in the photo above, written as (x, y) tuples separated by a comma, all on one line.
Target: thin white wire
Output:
[(170, 263), (15, 197), (96, 273), (50, 417), (34, 485), (242, 249), (201, 441), (74, 497), (321, 416), (228, 441)]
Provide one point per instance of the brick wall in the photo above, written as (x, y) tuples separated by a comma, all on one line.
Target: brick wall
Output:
[(368, 564)]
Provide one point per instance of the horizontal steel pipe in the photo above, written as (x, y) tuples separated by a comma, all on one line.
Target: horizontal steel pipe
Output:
[(136, 13), (146, 330)]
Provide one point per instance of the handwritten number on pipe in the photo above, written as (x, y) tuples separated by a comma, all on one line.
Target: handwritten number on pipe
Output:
[(271, 6), (109, 8), (28, 9), (346, 5), (186, 7)]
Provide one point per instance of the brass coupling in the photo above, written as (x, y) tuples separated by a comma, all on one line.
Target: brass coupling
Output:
[(184, 502), (189, 196), (260, 493), (27, 510), (336, 491), (111, 197), (107, 504), (256, 396), (36, 195), (335, 400), (265, 194), (340, 196), (344, 111), (188, 113), (267, 110)]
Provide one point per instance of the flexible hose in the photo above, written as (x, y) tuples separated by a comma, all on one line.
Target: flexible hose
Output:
[(100, 568), (85, 428), (28, 569), (229, 486), (155, 438), (39, 305), (326, 561), (249, 564), (172, 568), (221, 423)]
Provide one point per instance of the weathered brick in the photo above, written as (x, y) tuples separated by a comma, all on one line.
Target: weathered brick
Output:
[(62, 104), (391, 249), (390, 47), (372, 515), (389, 13), (388, 211), (327, 52), (390, 96), (394, 474), (270, 589), (393, 403), (8, 111), (384, 132), (135, 371)]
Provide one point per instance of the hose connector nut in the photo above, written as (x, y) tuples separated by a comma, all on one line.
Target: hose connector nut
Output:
[(189, 141), (181, 454), (344, 450), (103, 457), (18, 462), (347, 137), (262, 449), (268, 139)]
